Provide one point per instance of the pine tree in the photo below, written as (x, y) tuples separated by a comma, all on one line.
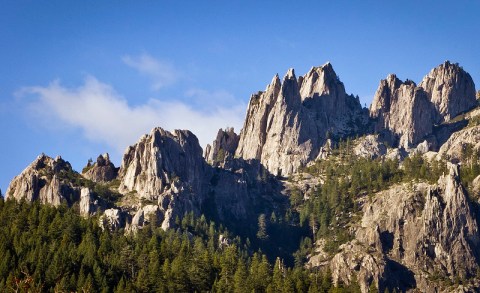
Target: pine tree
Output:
[(278, 274), (240, 277), (262, 228)]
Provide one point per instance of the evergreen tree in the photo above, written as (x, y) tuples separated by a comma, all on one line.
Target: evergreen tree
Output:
[(262, 228), (240, 278)]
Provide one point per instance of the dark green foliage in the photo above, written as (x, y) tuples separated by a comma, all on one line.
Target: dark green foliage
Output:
[(104, 192), (88, 166), (47, 249), (471, 167), (333, 204), (220, 157), (416, 167), (262, 228)]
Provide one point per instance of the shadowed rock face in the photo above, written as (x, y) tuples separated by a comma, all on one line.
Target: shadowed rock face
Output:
[(46, 180), (288, 123), (169, 168)]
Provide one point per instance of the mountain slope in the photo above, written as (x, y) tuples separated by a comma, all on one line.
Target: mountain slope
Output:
[(299, 183)]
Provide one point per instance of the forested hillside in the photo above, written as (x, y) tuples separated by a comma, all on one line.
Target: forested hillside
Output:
[(46, 248)]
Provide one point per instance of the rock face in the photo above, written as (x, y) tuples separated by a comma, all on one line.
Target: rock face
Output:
[(112, 219), (169, 168), (410, 112), (144, 215), (160, 158), (476, 188), (86, 205), (429, 230), (404, 109), (224, 145), (368, 266), (102, 170), (450, 89), (46, 180), (288, 123), (455, 146), (370, 147)]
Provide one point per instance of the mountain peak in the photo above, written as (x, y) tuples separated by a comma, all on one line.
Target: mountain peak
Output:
[(42, 180), (275, 83), (285, 130), (450, 89), (290, 74)]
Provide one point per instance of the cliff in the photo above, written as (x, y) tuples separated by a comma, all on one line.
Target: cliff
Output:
[(288, 123)]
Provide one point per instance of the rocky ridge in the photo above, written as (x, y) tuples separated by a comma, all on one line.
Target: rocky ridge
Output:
[(430, 229), (224, 145), (168, 171), (402, 108), (153, 164), (450, 89)]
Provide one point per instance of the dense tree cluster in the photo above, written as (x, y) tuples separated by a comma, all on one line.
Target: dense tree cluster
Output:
[(44, 249)]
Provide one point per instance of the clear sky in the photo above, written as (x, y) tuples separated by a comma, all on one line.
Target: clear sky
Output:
[(79, 78)]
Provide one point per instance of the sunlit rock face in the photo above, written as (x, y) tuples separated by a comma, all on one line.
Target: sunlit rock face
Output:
[(450, 89), (288, 123), (414, 229), (45, 179), (404, 109)]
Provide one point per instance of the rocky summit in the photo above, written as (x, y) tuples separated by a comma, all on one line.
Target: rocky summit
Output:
[(410, 112), (450, 89), (45, 179), (289, 122), (384, 198)]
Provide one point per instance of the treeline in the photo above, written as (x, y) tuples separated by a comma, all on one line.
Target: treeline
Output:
[(48, 249)]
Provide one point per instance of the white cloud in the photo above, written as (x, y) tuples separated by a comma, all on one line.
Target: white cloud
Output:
[(105, 116), (210, 100), (161, 73)]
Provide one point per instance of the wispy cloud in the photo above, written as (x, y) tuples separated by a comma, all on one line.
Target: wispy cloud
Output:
[(210, 100), (161, 73), (105, 116)]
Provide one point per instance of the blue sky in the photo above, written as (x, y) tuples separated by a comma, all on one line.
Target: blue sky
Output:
[(79, 78)]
